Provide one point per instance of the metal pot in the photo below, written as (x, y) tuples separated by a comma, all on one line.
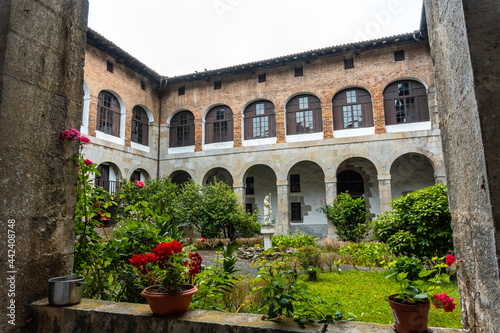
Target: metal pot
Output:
[(65, 290)]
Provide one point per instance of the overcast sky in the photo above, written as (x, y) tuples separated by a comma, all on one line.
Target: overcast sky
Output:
[(175, 37)]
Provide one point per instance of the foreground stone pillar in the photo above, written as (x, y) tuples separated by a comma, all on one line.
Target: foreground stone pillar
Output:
[(385, 193), (465, 44), (239, 190), (42, 49), (330, 195), (283, 206)]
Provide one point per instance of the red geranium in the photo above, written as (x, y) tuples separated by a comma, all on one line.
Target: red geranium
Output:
[(172, 266), (443, 301), (450, 259), (88, 162)]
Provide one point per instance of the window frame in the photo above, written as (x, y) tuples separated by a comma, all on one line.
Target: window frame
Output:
[(416, 91), (349, 63), (250, 115), (293, 107), (184, 127), (295, 183), (141, 121), (340, 102), (108, 118), (294, 206), (219, 129)]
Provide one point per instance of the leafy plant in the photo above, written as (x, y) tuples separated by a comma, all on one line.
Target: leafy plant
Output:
[(283, 295), (214, 210), (365, 254), (309, 258), (415, 290), (419, 224), (349, 216), (297, 240)]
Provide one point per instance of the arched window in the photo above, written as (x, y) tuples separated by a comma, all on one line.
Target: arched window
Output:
[(260, 120), (303, 115), (140, 125), (405, 102), (352, 108), (182, 129), (352, 182), (219, 124), (108, 114)]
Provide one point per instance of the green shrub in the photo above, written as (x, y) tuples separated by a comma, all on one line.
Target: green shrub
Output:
[(419, 224), (409, 265), (349, 216), (214, 210), (297, 240), (309, 257), (365, 254)]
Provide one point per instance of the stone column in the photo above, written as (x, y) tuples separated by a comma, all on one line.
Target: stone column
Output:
[(283, 207), (239, 190), (42, 51), (440, 177), (465, 45), (384, 190), (331, 194)]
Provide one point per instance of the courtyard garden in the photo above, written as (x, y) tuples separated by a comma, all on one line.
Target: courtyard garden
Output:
[(168, 235)]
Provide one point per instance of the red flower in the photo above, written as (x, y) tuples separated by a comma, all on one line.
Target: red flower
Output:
[(176, 247), (88, 162), (150, 257), (65, 134), (450, 259), (203, 240), (163, 251), (85, 140), (443, 301), (139, 184)]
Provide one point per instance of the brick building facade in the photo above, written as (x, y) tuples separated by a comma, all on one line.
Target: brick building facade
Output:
[(359, 117)]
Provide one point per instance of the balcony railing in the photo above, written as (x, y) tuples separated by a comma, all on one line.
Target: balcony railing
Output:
[(109, 185)]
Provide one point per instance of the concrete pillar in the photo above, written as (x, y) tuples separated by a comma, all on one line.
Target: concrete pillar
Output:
[(465, 45), (42, 50), (331, 194), (239, 190), (440, 177), (283, 227), (384, 190)]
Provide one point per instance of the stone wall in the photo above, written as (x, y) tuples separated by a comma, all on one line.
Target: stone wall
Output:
[(101, 317), (465, 45), (42, 47)]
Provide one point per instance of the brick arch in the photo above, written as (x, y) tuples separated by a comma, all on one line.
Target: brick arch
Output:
[(347, 84), (169, 118), (401, 78)]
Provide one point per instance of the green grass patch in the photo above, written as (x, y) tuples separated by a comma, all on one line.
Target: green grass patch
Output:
[(364, 294)]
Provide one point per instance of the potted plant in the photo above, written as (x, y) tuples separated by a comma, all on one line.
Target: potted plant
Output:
[(172, 272), (410, 307)]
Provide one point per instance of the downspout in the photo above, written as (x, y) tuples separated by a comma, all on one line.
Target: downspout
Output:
[(163, 85)]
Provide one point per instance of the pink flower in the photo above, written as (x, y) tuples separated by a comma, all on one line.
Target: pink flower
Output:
[(75, 134), (88, 162), (450, 259), (84, 139), (139, 184), (444, 302), (65, 134)]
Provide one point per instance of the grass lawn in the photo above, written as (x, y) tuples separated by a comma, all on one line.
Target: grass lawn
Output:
[(364, 294)]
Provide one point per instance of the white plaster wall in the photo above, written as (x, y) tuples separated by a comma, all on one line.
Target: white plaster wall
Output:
[(312, 189), (265, 183), (411, 172)]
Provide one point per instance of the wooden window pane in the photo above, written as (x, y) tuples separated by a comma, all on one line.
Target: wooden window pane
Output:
[(182, 129), (348, 63), (299, 72), (217, 85), (181, 91), (399, 55), (262, 78)]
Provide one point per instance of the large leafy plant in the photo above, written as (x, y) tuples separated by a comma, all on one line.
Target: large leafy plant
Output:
[(418, 225), (417, 288), (349, 216)]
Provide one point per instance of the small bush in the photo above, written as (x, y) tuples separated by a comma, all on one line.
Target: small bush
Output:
[(309, 258), (297, 240), (410, 265), (365, 254), (419, 224), (349, 216)]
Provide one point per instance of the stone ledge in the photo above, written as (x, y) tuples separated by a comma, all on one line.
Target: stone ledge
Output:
[(102, 316)]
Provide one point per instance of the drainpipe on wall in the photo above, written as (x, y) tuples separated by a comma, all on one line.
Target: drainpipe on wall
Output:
[(163, 85)]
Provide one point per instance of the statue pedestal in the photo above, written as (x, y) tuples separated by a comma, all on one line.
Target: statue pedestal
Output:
[(267, 230)]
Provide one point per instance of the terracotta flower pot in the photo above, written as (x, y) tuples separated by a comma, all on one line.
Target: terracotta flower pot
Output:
[(163, 304), (409, 318)]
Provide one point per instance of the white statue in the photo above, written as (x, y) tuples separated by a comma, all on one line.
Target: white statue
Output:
[(267, 209)]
